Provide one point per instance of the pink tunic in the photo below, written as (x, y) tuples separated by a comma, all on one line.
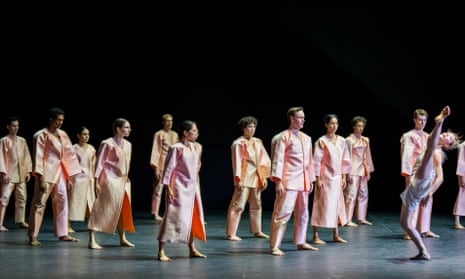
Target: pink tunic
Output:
[(184, 215), (330, 161), (114, 198), (82, 194), (459, 206), (292, 160), (291, 163), (412, 145), (161, 142), (356, 192), (54, 156), (55, 161)]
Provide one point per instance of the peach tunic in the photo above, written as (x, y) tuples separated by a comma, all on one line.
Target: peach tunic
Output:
[(114, 195), (330, 161), (184, 215), (161, 142), (15, 160), (412, 145), (81, 196), (55, 161), (356, 192), (291, 163), (251, 165)]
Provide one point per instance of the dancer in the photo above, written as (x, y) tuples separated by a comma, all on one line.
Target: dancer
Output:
[(427, 176), (251, 170), (183, 220), (292, 173), (112, 208)]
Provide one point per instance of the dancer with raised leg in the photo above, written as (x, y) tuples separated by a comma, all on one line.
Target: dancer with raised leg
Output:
[(427, 176)]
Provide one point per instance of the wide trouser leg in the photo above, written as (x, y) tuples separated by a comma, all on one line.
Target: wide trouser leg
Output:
[(255, 210), (60, 208), (38, 205), (235, 210), (282, 212), (424, 216), (362, 199), (301, 217), (20, 202), (156, 197), (350, 197)]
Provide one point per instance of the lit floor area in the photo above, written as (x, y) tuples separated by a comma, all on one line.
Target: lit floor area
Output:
[(377, 251)]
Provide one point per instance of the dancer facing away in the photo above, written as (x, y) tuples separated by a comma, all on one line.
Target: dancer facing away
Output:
[(356, 192), (162, 139), (112, 207), (427, 176), (292, 173), (184, 219), (251, 168), (15, 173)]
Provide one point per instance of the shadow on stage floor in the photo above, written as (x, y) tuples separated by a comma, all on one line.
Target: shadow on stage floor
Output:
[(377, 251)]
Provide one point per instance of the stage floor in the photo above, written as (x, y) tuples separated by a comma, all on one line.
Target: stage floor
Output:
[(377, 251)]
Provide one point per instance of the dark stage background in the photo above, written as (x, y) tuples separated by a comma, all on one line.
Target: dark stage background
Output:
[(218, 62)]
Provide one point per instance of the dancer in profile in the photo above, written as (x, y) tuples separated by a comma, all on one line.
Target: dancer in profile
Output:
[(112, 209), (183, 220), (427, 176)]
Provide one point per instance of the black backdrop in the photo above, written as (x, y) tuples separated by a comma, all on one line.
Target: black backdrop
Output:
[(217, 63)]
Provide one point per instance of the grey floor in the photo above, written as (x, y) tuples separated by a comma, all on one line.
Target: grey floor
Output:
[(377, 251)]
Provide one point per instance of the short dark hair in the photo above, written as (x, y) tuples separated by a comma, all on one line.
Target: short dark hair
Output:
[(246, 120), (54, 112)]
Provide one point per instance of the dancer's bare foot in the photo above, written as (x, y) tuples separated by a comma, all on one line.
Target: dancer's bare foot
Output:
[(277, 252), (23, 225), (365, 222), (307, 246), (162, 257), (158, 219), (351, 224), (34, 242), (261, 235), (196, 254), (421, 256), (68, 238), (407, 237), (430, 234), (459, 227), (71, 230), (339, 239), (233, 238), (444, 113), (126, 243), (318, 241), (94, 245), (3, 229)]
